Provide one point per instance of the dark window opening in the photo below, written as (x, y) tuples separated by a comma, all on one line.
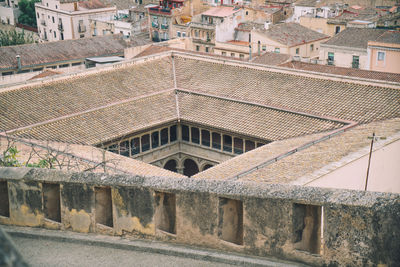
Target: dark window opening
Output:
[(307, 227), (260, 144), (38, 69), (227, 143), (250, 145), (205, 138), (207, 166), (145, 142), (185, 133), (195, 135), (172, 133), (76, 63), (113, 148), (164, 136), (63, 65), (51, 201), (190, 167), (230, 226), (216, 140), (135, 146), (4, 199), (171, 165), (165, 214), (124, 148), (238, 145), (103, 206), (154, 139)]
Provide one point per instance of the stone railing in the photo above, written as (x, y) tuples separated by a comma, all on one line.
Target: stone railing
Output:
[(311, 225)]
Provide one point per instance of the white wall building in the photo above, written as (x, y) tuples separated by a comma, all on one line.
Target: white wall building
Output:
[(63, 20), (9, 12)]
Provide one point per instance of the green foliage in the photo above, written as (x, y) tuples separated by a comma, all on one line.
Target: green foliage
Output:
[(9, 157), (13, 37), (27, 8), (43, 163)]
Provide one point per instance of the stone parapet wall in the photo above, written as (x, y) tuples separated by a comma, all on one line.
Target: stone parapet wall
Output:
[(312, 225)]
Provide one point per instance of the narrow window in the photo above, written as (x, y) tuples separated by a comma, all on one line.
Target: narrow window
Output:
[(216, 140), (356, 62), (241, 56), (145, 142), (51, 201), (185, 133), (223, 53), (307, 227), (250, 145), (197, 48), (331, 58), (113, 148), (238, 145), (124, 148), (165, 214), (205, 138), (76, 63), (227, 143), (135, 146), (195, 135), (232, 54), (337, 29), (4, 199), (103, 206), (381, 56), (164, 136), (311, 47), (277, 50), (231, 220), (154, 139), (172, 133)]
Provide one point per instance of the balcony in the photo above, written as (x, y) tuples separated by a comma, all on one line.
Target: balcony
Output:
[(331, 62), (154, 24), (60, 27), (81, 28), (355, 65), (160, 10), (164, 26)]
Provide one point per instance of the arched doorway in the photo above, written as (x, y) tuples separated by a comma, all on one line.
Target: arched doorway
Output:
[(207, 166), (170, 165), (190, 167)]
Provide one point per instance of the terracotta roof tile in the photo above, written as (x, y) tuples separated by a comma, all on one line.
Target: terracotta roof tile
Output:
[(355, 37)]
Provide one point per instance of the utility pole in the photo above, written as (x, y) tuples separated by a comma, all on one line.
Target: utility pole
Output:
[(373, 138)]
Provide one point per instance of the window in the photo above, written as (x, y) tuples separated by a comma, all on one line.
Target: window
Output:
[(7, 73), (264, 48), (197, 48), (76, 63), (82, 36), (183, 34), (145, 142), (207, 49), (260, 144), (114, 148), (223, 53), (178, 34), (172, 133), (154, 139), (356, 62), (195, 135), (337, 29), (185, 133), (238, 145), (216, 140), (164, 136), (247, 13), (241, 56), (124, 148), (381, 56), (196, 33), (38, 14), (135, 146), (277, 50), (227, 143), (250, 145), (38, 69), (63, 65), (232, 54), (311, 47), (205, 138), (52, 18), (331, 58), (297, 51)]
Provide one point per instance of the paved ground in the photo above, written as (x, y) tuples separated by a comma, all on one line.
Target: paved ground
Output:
[(40, 252)]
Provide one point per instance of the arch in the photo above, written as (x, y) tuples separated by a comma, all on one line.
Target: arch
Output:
[(171, 165), (190, 167), (207, 166)]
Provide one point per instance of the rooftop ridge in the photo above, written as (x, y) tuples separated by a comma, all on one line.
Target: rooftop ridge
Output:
[(87, 111), (297, 72), (292, 151), (337, 120)]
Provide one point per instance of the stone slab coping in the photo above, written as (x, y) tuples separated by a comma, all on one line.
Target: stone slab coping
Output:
[(146, 246)]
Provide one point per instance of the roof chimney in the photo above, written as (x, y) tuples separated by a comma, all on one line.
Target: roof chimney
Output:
[(18, 62)]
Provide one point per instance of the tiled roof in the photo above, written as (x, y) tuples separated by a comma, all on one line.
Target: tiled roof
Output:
[(292, 34), (390, 37), (45, 53), (367, 74), (319, 96), (306, 162), (355, 37), (33, 104), (221, 11), (270, 58)]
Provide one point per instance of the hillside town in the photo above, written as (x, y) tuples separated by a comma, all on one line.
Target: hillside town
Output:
[(200, 132)]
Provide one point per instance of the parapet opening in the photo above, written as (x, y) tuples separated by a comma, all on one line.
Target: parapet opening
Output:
[(103, 206), (307, 227), (165, 214), (4, 199), (231, 220), (51, 201)]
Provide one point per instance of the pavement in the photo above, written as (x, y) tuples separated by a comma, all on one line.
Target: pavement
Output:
[(42, 247)]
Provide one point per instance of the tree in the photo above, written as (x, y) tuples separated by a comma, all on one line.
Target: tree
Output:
[(27, 8), (13, 37)]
